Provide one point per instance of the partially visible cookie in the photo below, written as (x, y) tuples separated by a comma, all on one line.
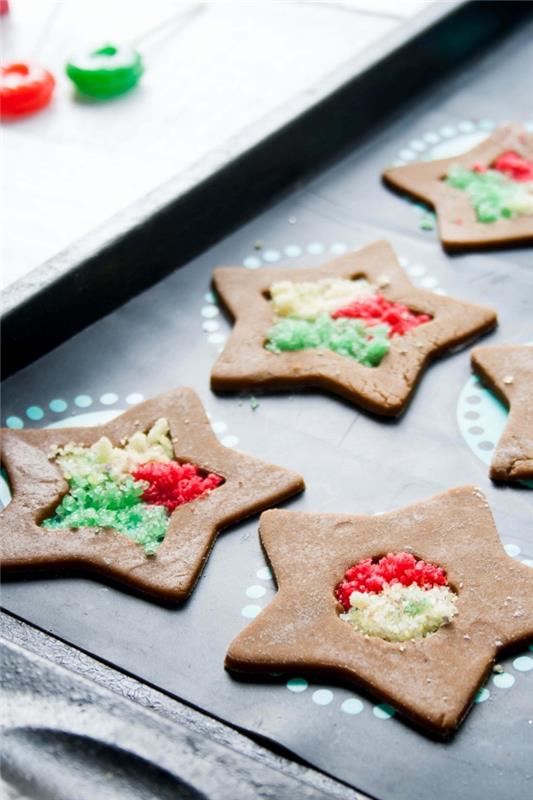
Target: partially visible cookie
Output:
[(355, 326), (140, 500), (412, 606), (484, 197), (508, 372)]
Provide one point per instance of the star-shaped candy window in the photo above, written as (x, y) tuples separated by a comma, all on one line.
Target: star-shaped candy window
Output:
[(177, 521), (508, 372), (484, 197), (373, 313), (431, 679)]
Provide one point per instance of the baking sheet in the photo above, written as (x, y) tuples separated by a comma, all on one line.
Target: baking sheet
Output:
[(352, 462)]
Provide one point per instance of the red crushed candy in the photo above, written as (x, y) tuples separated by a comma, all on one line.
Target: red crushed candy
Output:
[(373, 576), (376, 310), (514, 166), (477, 167), (173, 484)]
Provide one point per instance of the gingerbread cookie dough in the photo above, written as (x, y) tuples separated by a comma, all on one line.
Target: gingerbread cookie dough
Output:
[(411, 606), (355, 326), (140, 500), (508, 372), (484, 197)]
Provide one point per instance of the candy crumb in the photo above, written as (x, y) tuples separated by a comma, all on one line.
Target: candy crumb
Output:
[(254, 402), (427, 221), (508, 380)]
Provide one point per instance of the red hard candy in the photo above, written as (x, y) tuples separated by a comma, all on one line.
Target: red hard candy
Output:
[(24, 89)]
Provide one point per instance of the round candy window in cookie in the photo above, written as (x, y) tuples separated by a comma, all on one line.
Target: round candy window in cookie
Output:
[(396, 597), (349, 317)]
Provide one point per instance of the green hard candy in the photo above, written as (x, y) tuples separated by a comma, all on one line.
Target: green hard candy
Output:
[(107, 72)]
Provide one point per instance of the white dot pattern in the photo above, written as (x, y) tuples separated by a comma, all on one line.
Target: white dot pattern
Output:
[(322, 697)]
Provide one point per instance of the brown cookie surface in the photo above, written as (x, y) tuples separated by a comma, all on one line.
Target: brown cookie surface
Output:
[(458, 225), (245, 363), (432, 680), (37, 484), (508, 372)]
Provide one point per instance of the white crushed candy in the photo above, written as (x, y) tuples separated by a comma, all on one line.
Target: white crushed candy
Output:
[(498, 669), (399, 613), (309, 299), (102, 458), (508, 380)]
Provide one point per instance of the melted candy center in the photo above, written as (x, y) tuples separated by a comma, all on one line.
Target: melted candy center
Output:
[(132, 489), (397, 597)]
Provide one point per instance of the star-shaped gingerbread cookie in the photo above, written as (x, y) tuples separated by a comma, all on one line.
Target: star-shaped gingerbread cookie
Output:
[(484, 197), (247, 363), (431, 679), (191, 491), (508, 372)]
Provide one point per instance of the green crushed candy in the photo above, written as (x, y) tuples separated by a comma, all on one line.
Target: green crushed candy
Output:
[(109, 504), (347, 337), (492, 195), (413, 609)]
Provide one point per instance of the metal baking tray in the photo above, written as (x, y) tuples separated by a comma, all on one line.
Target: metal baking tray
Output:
[(444, 88)]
